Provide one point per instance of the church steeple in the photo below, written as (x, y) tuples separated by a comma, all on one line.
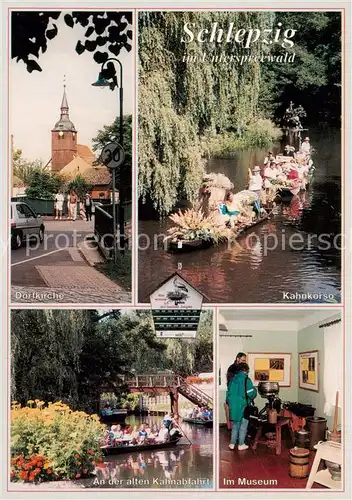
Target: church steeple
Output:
[(64, 138), (64, 103), (64, 123)]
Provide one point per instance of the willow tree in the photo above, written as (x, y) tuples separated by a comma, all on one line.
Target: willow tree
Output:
[(184, 97), (46, 345)]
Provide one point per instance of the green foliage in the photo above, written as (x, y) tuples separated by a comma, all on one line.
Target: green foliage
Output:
[(131, 401), (80, 185), (41, 183), (314, 79), (111, 133), (261, 134), (190, 107), (23, 168), (182, 97), (76, 355), (44, 185), (67, 441)]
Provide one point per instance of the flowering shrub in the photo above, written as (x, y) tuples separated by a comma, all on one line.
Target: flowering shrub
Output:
[(50, 441), (36, 468)]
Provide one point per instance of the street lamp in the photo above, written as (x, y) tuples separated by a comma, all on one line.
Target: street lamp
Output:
[(102, 82)]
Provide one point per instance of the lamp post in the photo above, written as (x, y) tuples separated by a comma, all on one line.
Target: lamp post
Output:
[(102, 82)]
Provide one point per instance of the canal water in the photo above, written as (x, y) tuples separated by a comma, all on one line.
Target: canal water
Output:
[(191, 464), (293, 257)]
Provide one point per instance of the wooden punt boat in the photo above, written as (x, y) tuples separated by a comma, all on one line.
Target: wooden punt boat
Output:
[(189, 245), (198, 421), (116, 450)]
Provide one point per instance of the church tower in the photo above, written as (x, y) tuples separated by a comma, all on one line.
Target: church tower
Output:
[(63, 138)]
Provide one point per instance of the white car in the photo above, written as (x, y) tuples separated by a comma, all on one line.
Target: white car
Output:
[(25, 224)]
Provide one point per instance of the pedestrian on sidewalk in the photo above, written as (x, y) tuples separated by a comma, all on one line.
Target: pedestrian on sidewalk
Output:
[(59, 201), (88, 205), (68, 207), (73, 204)]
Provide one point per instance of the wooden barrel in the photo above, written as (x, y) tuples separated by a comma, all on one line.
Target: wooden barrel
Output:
[(299, 462)]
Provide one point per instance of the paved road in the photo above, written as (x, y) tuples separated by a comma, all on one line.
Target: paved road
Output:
[(31, 263), (58, 235)]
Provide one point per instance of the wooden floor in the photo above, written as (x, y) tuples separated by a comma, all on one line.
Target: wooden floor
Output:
[(261, 464)]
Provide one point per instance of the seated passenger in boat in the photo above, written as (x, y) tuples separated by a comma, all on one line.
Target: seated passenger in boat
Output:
[(231, 209), (107, 410), (206, 414), (194, 412), (167, 420), (163, 434), (134, 435), (117, 433), (268, 159), (142, 434), (305, 146), (127, 432), (155, 431), (269, 175), (289, 151)]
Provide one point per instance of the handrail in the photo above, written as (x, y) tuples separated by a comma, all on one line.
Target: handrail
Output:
[(191, 392), (106, 214)]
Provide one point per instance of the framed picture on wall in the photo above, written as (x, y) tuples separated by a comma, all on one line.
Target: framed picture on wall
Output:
[(270, 367), (308, 370)]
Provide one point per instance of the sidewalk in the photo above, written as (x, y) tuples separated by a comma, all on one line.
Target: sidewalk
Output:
[(65, 274)]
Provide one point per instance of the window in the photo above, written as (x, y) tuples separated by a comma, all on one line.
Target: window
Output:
[(28, 212), (20, 211)]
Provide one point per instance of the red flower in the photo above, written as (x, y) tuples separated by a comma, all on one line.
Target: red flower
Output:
[(40, 464), (78, 476), (31, 476), (77, 455), (13, 473), (49, 471), (23, 475), (90, 451), (93, 462), (27, 466), (79, 463), (100, 460), (36, 471)]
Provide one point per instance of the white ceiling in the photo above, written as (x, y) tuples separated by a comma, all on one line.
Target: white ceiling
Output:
[(267, 314), (266, 319)]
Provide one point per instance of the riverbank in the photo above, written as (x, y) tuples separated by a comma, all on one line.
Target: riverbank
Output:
[(261, 134)]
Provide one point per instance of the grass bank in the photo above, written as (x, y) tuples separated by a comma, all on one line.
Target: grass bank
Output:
[(261, 134), (121, 272)]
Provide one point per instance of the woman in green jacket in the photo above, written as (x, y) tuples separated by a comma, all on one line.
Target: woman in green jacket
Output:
[(237, 401)]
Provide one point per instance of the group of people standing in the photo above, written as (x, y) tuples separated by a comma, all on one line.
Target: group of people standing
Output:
[(72, 203), (240, 393)]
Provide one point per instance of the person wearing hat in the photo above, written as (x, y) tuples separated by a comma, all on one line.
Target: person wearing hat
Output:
[(289, 151), (88, 206), (270, 174), (255, 185), (305, 148)]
